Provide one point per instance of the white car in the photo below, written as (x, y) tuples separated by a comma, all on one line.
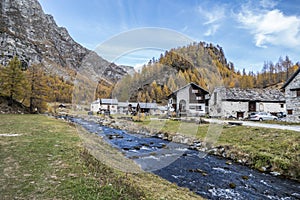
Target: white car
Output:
[(260, 116)]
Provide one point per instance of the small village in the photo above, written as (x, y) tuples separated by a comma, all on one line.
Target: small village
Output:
[(136, 100), (227, 103)]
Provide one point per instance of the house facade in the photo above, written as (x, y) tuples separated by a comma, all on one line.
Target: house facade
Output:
[(109, 105), (239, 103), (95, 106), (292, 95), (143, 107), (190, 100), (105, 105), (123, 107)]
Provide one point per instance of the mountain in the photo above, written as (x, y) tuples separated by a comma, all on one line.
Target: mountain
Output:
[(27, 32), (201, 63)]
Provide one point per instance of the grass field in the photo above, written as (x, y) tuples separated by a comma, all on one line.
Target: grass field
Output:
[(43, 158), (278, 149)]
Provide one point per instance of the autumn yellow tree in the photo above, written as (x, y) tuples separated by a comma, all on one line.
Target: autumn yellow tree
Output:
[(14, 83), (38, 90)]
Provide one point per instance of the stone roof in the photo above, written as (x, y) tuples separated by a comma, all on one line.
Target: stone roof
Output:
[(123, 104), (148, 105), (96, 102), (261, 95), (144, 105), (109, 101)]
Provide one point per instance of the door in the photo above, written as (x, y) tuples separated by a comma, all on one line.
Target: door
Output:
[(252, 106), (240, 115), (182, 106)]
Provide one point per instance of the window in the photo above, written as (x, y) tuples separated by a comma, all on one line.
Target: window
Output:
[(298, 92), (194, 91), (290, 111), (281, 105), (215, 98), (199, 108), (199, 98), (192, 107)]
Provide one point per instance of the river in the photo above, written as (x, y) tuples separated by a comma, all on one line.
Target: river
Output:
[(209, 176)]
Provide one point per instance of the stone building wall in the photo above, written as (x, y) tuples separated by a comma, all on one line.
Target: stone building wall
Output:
[(270, 107), (232, 107), (218, 107), (183, 94), (292, 101), (215, 103)]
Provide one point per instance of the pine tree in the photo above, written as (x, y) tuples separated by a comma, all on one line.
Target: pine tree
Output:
[(38, 90), (166, 90), (13, 81), (171, 84)]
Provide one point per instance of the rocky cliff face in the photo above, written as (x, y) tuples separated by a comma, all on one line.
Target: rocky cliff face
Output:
[(32, 35)]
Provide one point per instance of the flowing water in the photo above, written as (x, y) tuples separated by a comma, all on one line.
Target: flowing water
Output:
[(209, 176)]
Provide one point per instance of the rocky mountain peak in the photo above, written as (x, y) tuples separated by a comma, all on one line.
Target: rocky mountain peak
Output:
[(27, 32)]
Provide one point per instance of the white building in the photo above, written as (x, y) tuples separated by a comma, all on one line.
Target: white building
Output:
[(239, 103), (105, 105), (95, 106), (109, 105), (190, 100)]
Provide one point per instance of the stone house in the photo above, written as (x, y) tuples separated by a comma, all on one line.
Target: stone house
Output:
[(123, 107), (105, 105), (239, 103), (143, 107), (110, 105), (190, 100), (129, 107), (95, 106), (292, 95)]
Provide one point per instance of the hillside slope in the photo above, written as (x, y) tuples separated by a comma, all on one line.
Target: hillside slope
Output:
[(27, 32)]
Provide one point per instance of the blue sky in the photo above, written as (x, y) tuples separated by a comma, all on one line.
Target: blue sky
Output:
[(250, 32)]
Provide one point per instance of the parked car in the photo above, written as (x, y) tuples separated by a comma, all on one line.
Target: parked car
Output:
[(281, 114), (260, 116)]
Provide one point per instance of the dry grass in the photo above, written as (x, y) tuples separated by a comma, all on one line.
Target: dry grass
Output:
[(50, 160)]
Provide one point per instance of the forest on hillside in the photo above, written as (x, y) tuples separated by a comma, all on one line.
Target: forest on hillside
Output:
[(33, 87), (201, 63)]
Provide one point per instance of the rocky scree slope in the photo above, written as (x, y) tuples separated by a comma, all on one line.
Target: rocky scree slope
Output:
[(27, 32)]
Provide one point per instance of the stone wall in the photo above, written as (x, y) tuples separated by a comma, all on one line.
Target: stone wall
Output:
[(183, 94), (224, 108), (215, 103), (231, 108), (292, 101), (270, 107)]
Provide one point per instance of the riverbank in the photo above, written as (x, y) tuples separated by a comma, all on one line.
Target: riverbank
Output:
[(44, 158), (267, 150)]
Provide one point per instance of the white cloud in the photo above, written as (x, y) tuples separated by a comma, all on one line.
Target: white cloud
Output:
[(268, 3), (212, 15), (212, 18), (271, 27), (212, 30)]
